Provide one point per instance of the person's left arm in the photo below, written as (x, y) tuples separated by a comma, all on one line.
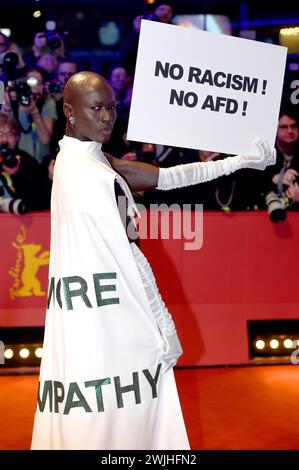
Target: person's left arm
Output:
[(142, 176)]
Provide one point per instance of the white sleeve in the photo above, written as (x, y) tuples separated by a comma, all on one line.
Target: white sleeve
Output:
[(199, 172), (172, 347), (161, 314)]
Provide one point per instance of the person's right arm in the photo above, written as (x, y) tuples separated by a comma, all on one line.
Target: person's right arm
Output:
[(293, 192), (43, 126)]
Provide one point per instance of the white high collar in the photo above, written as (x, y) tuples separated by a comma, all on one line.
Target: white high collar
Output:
[(87, 147), (94, 149)]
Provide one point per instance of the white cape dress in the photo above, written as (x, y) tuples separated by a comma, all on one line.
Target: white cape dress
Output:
[(101, 384)]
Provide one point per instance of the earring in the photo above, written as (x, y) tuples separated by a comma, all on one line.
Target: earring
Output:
[(72, 120)]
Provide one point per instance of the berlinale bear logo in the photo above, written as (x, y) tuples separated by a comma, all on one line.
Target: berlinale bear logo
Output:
[(24, 272)]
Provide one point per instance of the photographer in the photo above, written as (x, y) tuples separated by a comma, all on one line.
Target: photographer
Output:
[(48, 64), (36, 118), (162, 13), (65, 70), (280, 180), (19, 173), (38, 48), (6, 46), (121, 84), (56, 44), (45, 42), (287, 151)]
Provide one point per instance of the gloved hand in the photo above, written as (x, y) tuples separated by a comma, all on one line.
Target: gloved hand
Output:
[(181, 176), (172, 352), (265, 157)]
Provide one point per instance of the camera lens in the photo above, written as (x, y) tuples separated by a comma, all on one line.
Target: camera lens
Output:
[(10, 61), (53, 40), (276, 207), (55, 87), (17, 206), (7, 157), (10, 204)]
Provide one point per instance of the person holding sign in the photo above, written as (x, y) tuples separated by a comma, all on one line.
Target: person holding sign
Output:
[(106, 379)]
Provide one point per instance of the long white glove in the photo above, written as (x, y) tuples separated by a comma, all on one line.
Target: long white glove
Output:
[(172, 347), (199, 172)]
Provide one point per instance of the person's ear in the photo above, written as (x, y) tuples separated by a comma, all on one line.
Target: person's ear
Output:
[(68, 110)]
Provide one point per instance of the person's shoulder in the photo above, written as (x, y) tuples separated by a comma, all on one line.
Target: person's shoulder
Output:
[(26, 157), (49, 107), (28, 163), (49, 103)]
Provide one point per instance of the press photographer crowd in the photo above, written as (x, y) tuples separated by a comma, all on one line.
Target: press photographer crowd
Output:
[(32, 123)]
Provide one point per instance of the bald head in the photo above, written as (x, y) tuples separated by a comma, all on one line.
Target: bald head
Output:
[(89, 106), (80, 83)]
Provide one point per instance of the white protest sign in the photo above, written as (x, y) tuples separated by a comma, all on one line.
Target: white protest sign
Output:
[(202, 90)]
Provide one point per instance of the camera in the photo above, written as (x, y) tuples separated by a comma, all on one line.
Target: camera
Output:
[(10, 61), (11, 73), (9, 66), (10, 204), (7, 157), (276, 206), (53, 40), (23, 91), (151, 17), (55, 87)]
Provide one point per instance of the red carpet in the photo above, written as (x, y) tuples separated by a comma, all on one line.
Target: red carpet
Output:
[(224, 408)]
